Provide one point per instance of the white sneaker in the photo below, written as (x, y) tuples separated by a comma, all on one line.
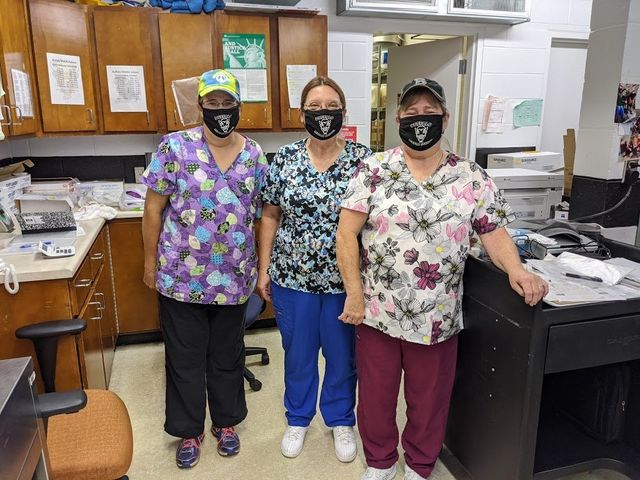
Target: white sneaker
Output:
[(379, 473), (344, 441), (410, 474), (293, 441)]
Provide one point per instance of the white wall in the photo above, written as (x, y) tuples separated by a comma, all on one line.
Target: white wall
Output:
[(5, 149), (564, 94)]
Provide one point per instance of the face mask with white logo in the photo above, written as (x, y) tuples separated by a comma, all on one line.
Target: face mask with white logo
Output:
[(221, 121), (421, 132), (323, 124)]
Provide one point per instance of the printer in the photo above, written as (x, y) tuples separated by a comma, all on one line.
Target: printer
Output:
[(532, 194)]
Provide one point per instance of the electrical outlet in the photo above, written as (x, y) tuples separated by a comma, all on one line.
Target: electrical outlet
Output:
[(138, 171)]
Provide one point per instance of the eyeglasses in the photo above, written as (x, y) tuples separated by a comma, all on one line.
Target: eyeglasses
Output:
[(218, 105), (314, 107)]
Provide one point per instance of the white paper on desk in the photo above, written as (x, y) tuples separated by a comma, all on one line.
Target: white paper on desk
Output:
[(297, 77), (565, 291), (65, 79), (609, 273), (126, 88), (493, 114), (253, 83), (22, 92)]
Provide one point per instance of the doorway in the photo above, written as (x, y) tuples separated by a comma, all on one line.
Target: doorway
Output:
[(397, 59)]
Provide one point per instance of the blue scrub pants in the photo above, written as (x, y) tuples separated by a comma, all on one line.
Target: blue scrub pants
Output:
[(308, 322)]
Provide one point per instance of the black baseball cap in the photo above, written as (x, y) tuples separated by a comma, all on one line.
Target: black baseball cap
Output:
[(434, 87)]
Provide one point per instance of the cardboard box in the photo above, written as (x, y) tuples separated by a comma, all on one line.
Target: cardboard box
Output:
[(541, 161), (569, 159)]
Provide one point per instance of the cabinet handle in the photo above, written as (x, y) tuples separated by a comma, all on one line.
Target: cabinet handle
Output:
[(9, 117), (97, 256), (265, 113), (90, 115), (289, 114), (99, 310), (148, 118), (175, 117), (85, 282), (102, 303), (19, 116)]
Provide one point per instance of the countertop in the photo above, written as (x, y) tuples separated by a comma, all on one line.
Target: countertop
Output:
[(128, 214), (33, 267)]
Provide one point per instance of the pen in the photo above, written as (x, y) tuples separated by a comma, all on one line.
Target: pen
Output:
[(583, 277)]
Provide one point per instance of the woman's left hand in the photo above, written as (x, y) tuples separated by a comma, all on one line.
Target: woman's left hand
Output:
[(528, 285)]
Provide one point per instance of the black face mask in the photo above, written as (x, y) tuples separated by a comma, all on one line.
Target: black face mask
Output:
[(421, 132), (221, 121), (323, 124)]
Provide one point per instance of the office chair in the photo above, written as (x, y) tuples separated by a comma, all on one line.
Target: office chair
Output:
[(93, 440), (255, 306)]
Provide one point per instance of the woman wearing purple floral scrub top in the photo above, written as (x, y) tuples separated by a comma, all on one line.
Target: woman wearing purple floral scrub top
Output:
[(200, 255), (416, 208)]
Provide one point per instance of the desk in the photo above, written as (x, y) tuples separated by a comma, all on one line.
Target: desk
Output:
[(500, 426), (22, 440)]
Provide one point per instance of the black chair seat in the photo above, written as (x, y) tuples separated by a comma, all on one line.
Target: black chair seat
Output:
[(54, 328)]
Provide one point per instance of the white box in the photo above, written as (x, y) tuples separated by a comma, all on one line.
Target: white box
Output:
[(541, 161), (12, 183)]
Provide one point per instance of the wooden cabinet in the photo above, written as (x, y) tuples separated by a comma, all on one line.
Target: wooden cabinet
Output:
[(253, 115), (16, 70), (186, 43), (62, 34), (137, 305), (83, 361), (128, 37), (299, 39)]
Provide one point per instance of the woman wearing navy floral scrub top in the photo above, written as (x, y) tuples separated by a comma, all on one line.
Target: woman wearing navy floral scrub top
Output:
[(416, 208), (302, 194)]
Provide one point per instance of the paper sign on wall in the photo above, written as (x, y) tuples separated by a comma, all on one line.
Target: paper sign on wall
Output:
[(527, 113), (126, 88), (349, 132), (493, 114), (65, 79), (245, 57), (297, 77), (22, 92)]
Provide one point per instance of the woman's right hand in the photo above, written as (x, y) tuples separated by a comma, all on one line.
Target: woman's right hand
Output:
[(353, 311), (264, 286), (149, 277)]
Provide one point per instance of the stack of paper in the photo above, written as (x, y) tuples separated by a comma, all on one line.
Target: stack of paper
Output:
[(565, 291)]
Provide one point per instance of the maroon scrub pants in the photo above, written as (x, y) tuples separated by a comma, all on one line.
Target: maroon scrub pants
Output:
[(428, 380)]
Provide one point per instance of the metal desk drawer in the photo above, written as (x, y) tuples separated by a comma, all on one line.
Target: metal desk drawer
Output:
[(589, 344)]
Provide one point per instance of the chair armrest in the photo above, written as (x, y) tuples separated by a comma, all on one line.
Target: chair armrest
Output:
[(50, 404), (54, 328)]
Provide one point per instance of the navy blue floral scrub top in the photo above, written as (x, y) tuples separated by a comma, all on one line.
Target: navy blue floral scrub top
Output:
[(304, 251)]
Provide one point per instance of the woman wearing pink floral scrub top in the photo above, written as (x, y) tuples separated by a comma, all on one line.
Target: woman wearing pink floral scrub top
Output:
[(201, 204), (416, 208)]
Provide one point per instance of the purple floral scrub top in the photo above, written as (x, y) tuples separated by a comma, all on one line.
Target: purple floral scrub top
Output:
[(416, 240), (206, 250)]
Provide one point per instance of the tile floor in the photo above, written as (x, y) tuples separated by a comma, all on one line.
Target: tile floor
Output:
[(138, 377)]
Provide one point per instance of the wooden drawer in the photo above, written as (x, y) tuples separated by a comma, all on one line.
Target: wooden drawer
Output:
[(81, 286), (97, 254)]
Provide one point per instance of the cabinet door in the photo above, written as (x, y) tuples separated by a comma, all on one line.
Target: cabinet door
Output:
[(17, 67), (301, 41), (104, 295), (180, 34), (62, 48), (253, 115), (130, 69), (136, 303), (92, 345)]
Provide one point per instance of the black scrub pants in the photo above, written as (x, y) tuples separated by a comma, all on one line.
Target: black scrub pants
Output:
[(204, 356)]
